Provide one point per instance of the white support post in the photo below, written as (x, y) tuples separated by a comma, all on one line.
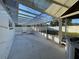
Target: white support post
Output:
[(65, 28), (47, 32), (70, 48), (60, 30)]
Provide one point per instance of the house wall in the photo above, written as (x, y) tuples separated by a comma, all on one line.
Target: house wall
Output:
[(6, 34)]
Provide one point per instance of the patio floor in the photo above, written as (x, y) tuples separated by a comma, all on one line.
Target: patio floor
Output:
[(35, 46)]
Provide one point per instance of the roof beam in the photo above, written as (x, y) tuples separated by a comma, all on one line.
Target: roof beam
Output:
[(25, 15), (24, 18), (71, 14), (73, 8)]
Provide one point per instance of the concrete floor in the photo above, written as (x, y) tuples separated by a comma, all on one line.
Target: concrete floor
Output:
[(35, 46)]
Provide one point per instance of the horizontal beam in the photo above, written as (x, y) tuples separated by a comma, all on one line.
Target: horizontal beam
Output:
[(71, 14), (23, 18), (25, 15)]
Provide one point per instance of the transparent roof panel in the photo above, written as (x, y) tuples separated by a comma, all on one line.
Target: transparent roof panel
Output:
[(46, 17), (21, 6), (25, 12), (22, 12), (24, 16)]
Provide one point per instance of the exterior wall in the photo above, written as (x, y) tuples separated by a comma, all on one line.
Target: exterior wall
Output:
[(6, 35)]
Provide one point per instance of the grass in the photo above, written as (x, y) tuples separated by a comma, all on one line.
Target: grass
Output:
[(72, 34)]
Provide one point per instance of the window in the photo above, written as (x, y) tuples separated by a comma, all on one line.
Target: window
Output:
[(10, 25)]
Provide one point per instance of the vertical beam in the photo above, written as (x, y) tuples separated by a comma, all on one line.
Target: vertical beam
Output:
[(67, 41), (70, 49), (60, 30), (46, 31), (65, 28)]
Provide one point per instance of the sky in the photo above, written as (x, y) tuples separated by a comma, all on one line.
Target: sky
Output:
[(75, 21)]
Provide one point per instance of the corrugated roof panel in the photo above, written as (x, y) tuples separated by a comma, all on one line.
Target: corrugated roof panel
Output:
[(59, 7), (52, 10), (61, 11), (70, 2)]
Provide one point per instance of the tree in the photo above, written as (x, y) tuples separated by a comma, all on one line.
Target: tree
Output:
[(54, 23)]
